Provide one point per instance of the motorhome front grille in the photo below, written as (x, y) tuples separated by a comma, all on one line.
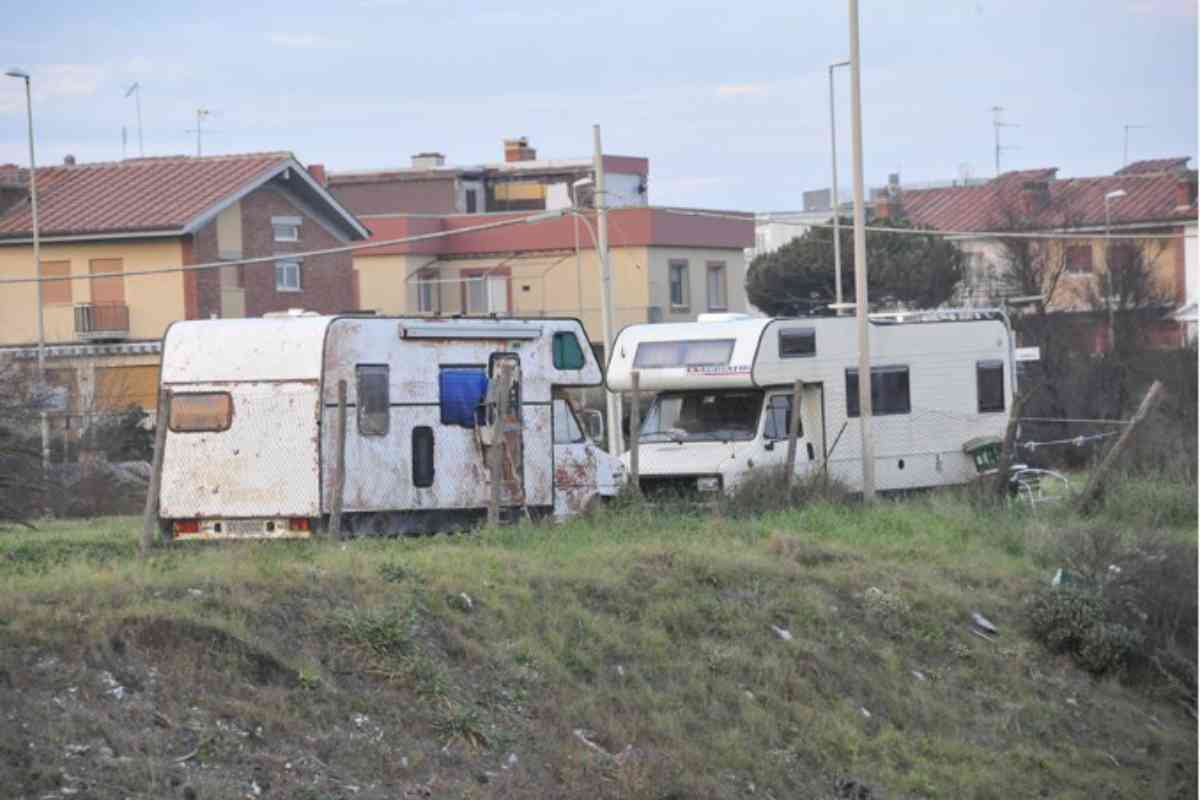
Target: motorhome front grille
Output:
[(666, 486)]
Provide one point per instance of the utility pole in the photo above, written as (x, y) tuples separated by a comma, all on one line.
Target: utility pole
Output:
[(997, 124), (860, 265), (837, 208), (136, 91), (1125, 149), (613, 402)]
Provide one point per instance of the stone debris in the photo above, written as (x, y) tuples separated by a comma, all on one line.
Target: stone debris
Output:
[(782, 633)]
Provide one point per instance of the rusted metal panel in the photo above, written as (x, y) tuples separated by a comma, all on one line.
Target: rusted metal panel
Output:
[(264, 465)]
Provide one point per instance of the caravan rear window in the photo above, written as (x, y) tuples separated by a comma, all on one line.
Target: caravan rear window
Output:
[(200, 412), (373, 401), (693, 353)]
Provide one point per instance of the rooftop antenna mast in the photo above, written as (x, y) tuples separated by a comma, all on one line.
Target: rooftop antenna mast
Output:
[(201, 115), (1125, 149), (136, 90), (124, 143), (997, 124)]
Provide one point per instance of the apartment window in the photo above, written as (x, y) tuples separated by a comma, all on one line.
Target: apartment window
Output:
[(107, 291), (779, 418), (1079, 258), (372, 399), (989, 384), (56, 292), (422, 456), (472, 201), (287, 275), (486, 291), (797, 342), (889, 391), (429, 292), (286, 229), (679, 285), (717, 301)]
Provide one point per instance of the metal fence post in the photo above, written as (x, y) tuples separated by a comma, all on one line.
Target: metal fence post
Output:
[(496, 454), (793, 433), (635, 430), (339, 478), (150, 515)]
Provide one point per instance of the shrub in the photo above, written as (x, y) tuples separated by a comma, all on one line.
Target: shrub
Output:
[(766, 489), (1133, 607)]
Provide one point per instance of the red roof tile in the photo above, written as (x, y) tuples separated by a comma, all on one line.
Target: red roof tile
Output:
[(1072, 202), (1154, 165), (142, 194)]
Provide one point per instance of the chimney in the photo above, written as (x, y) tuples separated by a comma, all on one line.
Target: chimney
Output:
[(430, 160), (888, 206), (1185, 191), (1035, 196), (68, 160), (318, 173), (519, 150)]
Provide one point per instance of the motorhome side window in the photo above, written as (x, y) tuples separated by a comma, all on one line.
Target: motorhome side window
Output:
[(201, 412), (372, 399), (989, 383), (779, 418), (693, 353), (567, 352), (889, 391), (797, 342), (422, 456)]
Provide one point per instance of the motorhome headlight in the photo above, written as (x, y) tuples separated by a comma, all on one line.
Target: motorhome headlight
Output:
[(708, 483)]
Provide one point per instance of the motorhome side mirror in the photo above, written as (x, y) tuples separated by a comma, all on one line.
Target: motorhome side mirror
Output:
[(593, 422)]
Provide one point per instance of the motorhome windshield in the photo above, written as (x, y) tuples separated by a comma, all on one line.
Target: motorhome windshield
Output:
[(702, 417)]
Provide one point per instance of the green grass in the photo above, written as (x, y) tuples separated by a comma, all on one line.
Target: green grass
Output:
[(652, 632)]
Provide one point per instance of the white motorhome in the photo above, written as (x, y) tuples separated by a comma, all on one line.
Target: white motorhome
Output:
[(724, 395), (251, 441)]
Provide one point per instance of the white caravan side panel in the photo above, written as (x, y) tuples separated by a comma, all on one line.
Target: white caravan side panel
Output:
[(264, 465)]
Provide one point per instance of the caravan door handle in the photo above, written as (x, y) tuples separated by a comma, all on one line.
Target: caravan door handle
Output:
[(812, 455)]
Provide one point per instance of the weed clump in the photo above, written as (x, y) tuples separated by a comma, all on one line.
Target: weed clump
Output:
[(384, 632), (766, 489), (1130, 605)]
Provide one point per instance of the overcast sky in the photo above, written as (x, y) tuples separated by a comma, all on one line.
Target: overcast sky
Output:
[(728, 100)]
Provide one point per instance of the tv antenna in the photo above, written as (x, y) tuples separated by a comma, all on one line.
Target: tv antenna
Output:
[(136, 90), (997, 124), (202, 114), (1125, 149)]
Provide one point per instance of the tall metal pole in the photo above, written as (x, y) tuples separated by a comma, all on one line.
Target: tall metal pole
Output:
[(613, 405), (141, 144), (837, 233), (860, 264), (33, 207)]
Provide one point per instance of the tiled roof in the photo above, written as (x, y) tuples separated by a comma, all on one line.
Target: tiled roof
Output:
[(1154, 165), (141, 194), (1069, 202)]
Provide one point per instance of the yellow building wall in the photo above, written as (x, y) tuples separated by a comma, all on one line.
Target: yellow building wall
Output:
[(1076, 290), (697, 301), (541, 285), (154, 301)]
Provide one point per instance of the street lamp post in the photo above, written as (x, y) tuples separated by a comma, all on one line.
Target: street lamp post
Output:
[(33, 205), (837, 235), (1112, 325)]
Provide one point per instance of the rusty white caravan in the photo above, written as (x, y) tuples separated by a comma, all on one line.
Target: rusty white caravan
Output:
[(251, 440), (724, 394)]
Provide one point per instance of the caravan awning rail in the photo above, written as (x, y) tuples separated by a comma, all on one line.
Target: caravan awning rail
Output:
[(469, 330)]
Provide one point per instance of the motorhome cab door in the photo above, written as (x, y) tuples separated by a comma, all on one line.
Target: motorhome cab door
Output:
[(777, 421), (512, 486)]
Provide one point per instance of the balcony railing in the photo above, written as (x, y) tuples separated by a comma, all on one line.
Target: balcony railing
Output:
[(102, 321)]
